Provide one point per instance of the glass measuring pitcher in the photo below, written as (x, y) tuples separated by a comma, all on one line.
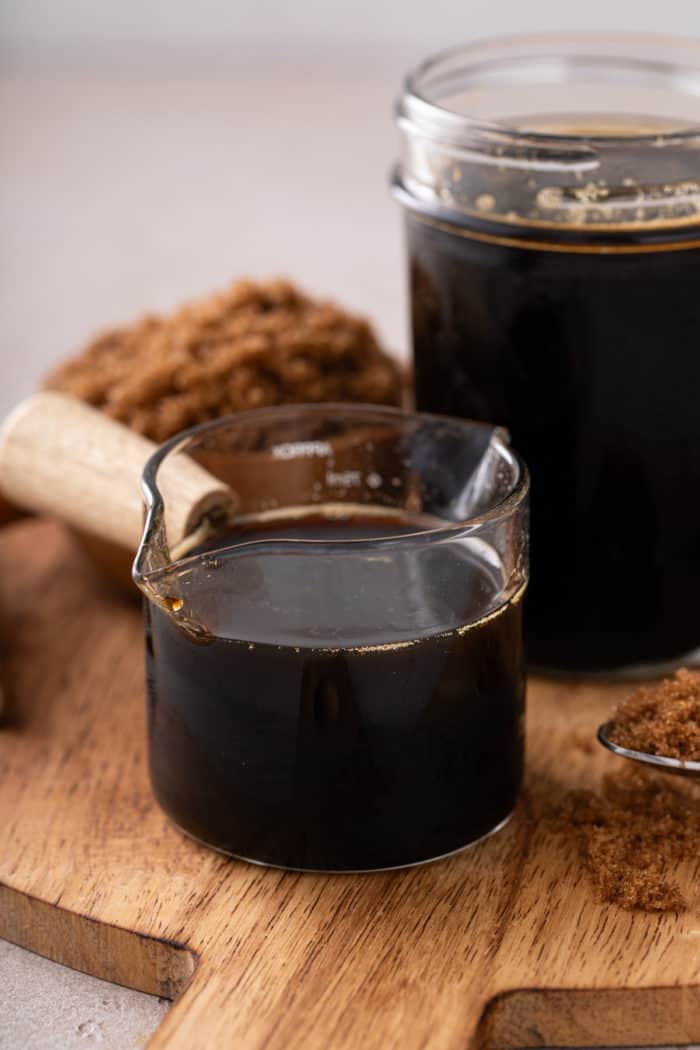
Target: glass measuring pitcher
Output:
[(334, 660)]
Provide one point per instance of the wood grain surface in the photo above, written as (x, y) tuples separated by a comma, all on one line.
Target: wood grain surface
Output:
[(500, 947)]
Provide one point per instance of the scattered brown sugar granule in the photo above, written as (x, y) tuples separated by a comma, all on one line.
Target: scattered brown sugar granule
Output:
[(250, 346), (632, 834), (662, 719)]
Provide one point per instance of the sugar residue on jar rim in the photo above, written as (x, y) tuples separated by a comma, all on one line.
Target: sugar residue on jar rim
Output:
[(610, 142)]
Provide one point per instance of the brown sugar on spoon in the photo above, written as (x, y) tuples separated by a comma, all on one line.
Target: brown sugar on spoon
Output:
[(634, 831), (662, 719), (253, 345)]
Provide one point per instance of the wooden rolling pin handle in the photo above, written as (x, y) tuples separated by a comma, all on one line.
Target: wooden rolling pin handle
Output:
[(65, 459)]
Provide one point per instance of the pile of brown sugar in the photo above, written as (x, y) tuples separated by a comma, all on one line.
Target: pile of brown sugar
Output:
[(662, 719), (250, 346), (632, 833)]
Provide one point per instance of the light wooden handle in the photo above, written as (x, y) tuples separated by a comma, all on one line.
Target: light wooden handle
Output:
[(60, 457)]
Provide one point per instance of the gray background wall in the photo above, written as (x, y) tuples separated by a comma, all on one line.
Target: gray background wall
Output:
[(372, 24)]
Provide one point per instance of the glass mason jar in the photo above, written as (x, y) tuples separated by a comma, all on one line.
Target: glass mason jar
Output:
[(551, 188), (335, 671)]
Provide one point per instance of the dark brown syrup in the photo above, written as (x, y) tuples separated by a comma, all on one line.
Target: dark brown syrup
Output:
[(339, 756), (587, 348)]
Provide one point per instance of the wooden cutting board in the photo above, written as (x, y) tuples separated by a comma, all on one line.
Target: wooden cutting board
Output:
[(500, 947)]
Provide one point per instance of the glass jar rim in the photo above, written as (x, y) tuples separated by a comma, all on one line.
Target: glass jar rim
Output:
[(417, 109), (154, 501)]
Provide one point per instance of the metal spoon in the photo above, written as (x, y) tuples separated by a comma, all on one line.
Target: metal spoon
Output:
[(677, 766)]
